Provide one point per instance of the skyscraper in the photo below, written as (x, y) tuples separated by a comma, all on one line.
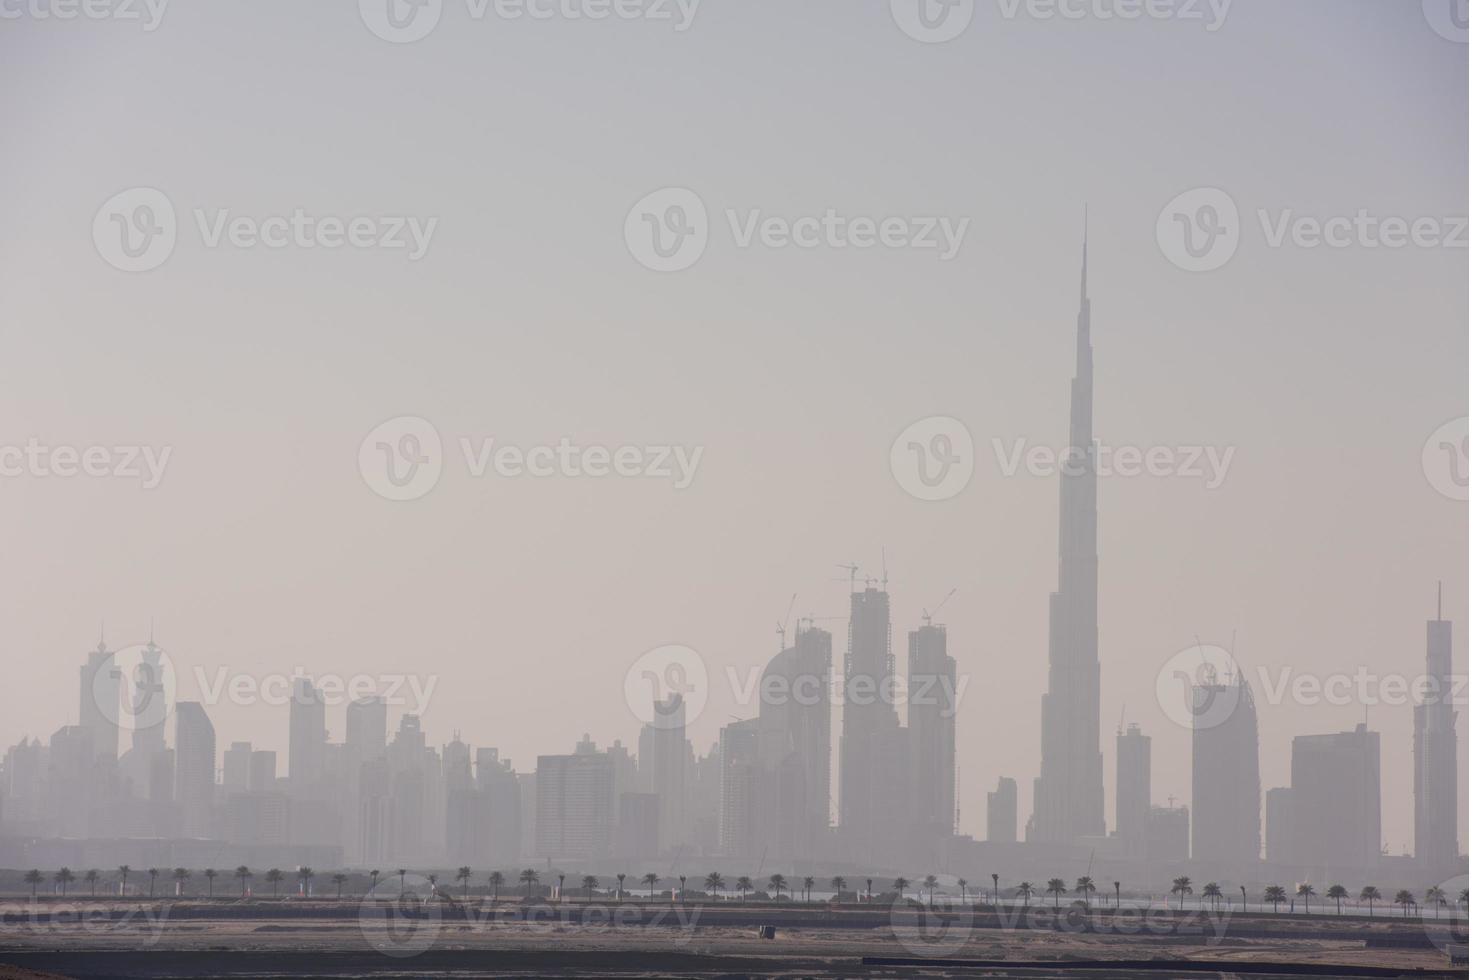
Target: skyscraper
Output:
[(101, 700), (1001, 809), (574, 803), (194, 769), (874, 765), (1336, 803), (1436, 753), (307, 749), (1134, 789), (1068, 792), (367, 728), (932, 689), (666, 752), (795, 742), (1226, 774)]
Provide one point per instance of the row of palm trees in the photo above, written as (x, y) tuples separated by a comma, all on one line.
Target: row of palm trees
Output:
[(181, 877)]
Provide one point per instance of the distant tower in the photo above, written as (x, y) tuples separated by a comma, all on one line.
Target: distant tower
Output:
[(101, 700), (307, 750), (1226, 776), (872, 792), (1134, 789), (194, 769), (932, 689), (1436, 752), (1068, 794)]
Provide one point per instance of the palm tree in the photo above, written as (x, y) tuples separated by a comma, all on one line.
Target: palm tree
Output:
[(713, 881), (963, 892), (464, 874), (1084, 887), (1464, 897), (152, 878), (838, 885), (339, 880), (1337, 892), (651, 880), (1182, 887), (808, 883), (744, 884), (900, 884), (930, 882), (306, 874), (373, 875), (34, 879), (1025, 890), (402, 874), (529, 879), (274, 876), (496, 880), (181, 877), (620, 879), (560, 887), (210, 874), (1434, 896), (1371, 896), (124, 870), (1275, 895), (91, 879), (433, 884), (1056, 887), (1213, 893), (1405, 899), (1305, 890), (590, 884), (244, 874), (778, 883), (683, 886), (64, 877)]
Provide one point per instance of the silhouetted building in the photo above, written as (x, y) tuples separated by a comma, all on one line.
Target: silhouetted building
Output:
[(194, 769), (1436, 753), (1279, 828), (637, 826), (574, 803), (101, 701), (1134, 789), (795, 744), (1068, 793), (1226, 773), (307, 749), (932, 690), (1168, 833), (235, 768), (873, 789), (1336, 803), (1002, 811)]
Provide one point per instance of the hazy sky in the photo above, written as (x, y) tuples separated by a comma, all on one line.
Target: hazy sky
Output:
[(528, 320)]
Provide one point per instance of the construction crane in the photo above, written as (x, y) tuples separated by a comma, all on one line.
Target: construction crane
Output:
[(780, 625), (928, 616), (852, 570)]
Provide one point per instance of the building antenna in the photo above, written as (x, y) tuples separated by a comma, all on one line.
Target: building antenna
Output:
[(1440, 600), (884, 568)]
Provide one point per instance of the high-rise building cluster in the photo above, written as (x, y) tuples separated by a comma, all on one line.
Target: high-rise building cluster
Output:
[(775, 789)]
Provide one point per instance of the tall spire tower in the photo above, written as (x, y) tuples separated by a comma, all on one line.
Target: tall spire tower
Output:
[(1068, 793), (1435, 753)]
